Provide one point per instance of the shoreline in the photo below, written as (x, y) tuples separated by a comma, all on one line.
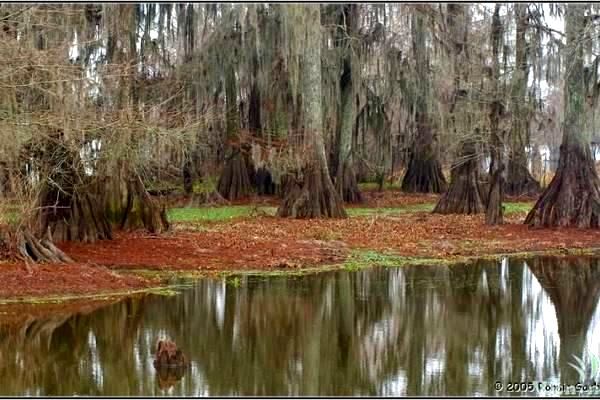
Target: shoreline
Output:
[(391, 229), (157, 285)]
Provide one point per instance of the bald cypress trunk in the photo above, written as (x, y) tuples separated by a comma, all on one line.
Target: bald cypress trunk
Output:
[(464, 195), (123, 196), (346, 182), (234, 182), (573, 196), (493, 211), (519, 180), (424, 172), (314, 196)]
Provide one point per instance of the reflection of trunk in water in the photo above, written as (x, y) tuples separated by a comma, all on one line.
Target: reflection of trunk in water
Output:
[(463, 302), (575, 298), (416, 353), (115, 330), (494, 312), (518, 349), (33, 346)]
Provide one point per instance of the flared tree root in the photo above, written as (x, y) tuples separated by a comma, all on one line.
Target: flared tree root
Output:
[(424, 176), (21, 244), (520, 182), (494, 213), (40, 250), (313, 197), (573, 197), (82, 218), (234, 182), (143, 211), (347, 185), (208, 198), (464, 196)]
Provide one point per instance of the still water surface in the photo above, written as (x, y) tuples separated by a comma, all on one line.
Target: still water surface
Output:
[(379, 331)]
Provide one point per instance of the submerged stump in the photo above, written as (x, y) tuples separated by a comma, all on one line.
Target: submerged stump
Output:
[(168, 355), (170, 363)]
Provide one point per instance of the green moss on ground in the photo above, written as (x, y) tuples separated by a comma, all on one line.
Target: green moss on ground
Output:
[(359, 259)]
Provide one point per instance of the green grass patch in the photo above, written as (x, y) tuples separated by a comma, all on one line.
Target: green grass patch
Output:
[(225, 213), (211, 214), (519, 207)]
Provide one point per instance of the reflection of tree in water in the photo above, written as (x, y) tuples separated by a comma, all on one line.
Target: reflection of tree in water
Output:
[(573, 285), (280, 336), (42, 353), (411, 331), (465, 300), (116, 331)]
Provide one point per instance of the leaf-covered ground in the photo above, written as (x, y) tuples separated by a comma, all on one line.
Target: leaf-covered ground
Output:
[(390, 228), (249, 237), (63, 281)]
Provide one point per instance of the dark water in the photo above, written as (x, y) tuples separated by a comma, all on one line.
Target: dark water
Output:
[(381, 331)]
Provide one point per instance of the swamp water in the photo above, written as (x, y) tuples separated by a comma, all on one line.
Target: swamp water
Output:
[(378, 331)]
